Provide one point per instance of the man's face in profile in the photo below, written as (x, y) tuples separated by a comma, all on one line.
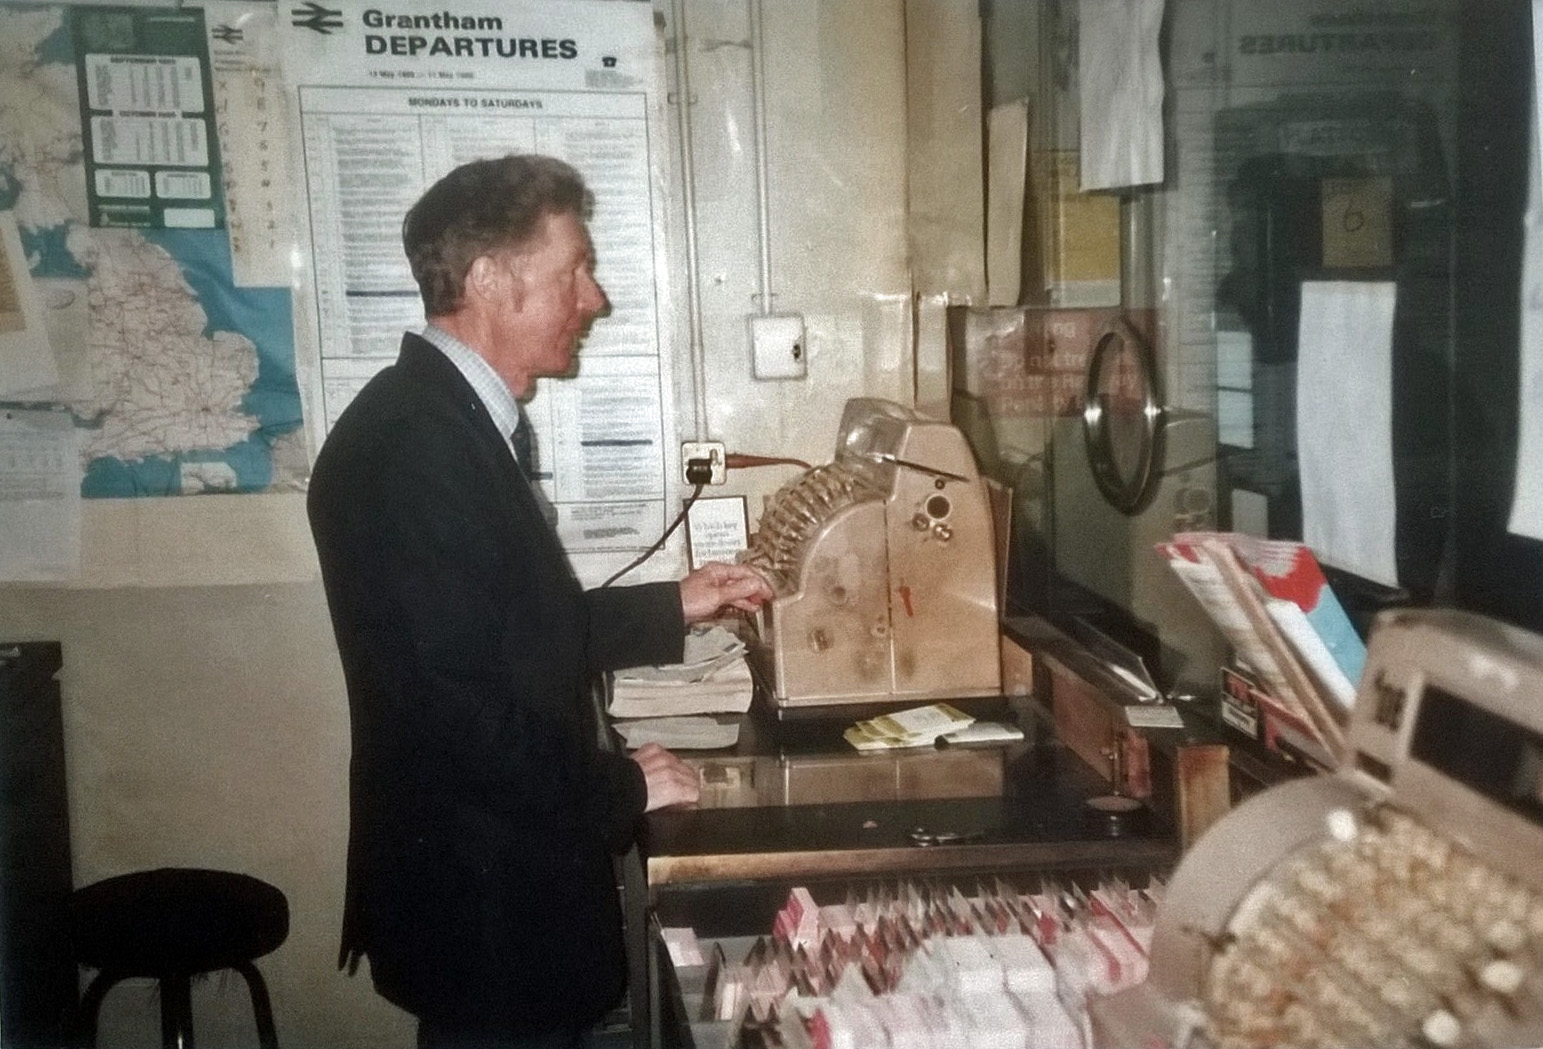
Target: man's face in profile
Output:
[(555, 296)]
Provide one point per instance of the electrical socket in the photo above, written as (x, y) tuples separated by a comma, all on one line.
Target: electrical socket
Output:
[(710, 451)]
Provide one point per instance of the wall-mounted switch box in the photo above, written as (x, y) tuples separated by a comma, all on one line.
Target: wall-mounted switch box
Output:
[(777, 349)]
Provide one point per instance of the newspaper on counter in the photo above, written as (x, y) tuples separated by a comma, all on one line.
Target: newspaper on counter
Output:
[(712, 679), (695, 732)]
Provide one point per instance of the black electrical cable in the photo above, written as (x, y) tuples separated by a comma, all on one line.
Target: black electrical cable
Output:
[(658, 543)]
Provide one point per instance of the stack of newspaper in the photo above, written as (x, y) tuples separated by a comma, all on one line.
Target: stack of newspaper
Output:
[(682, 706), (1271, 601)]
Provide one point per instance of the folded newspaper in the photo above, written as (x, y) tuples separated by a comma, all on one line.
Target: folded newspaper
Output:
[(695, 732), (712, 679)]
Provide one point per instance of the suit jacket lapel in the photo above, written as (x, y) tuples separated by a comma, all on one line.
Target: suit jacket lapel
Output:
[(423, 361)]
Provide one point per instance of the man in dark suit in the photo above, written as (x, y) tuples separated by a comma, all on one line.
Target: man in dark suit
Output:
[(484, 812)]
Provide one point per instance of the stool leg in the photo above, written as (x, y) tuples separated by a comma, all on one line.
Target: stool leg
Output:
[(176, 1012), (90, 1005), (262, 1008)]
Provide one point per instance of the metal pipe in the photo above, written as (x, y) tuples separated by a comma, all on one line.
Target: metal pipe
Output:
[(697, 350), (762, 180)]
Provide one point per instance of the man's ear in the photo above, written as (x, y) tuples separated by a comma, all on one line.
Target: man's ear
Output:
[(495, 280)]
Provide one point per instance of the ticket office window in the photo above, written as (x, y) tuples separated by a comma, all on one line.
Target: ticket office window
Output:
[(1311, 148)]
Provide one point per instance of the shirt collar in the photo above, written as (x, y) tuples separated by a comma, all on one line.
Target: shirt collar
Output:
[(491, 390)]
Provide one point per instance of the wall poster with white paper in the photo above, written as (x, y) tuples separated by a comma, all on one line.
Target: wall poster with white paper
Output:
[(388, 103)]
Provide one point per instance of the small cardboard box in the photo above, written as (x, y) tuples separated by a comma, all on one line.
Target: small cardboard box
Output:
[(1072, 257)]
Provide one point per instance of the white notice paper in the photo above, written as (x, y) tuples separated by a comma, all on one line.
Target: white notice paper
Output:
[(717, 529), (1120, 83), (1345, 425), (39, 496), (1527, 503)]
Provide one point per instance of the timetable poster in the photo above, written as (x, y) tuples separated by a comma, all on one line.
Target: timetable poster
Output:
[(151, 155), (390, 99)]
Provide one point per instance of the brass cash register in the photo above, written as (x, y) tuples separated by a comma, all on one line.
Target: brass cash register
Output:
[(884, 569)]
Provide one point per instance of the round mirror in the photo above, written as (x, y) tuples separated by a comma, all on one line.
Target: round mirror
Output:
[(1121, 419)]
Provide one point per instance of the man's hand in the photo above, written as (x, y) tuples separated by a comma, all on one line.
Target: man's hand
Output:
[(717, 586), (671, 782)]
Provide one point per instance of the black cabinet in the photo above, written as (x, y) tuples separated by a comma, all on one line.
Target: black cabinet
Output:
[(37, 971)]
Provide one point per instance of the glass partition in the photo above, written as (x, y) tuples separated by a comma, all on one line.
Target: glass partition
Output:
[(1328, 283)]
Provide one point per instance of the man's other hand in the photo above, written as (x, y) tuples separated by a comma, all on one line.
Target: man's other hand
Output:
[(717, 586), (671, 782)]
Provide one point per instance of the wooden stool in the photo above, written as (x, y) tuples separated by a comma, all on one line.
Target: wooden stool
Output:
[(170, 925)]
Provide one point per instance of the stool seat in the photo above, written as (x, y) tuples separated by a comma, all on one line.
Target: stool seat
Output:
[(172, 924), (176, 920)]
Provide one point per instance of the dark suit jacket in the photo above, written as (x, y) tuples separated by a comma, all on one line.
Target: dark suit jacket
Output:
[(484, 813)]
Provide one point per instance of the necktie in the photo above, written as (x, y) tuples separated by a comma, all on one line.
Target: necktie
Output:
[(523, 453)]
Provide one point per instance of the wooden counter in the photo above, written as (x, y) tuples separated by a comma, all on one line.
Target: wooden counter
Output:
[(1039, 821), (1019, 811), (726, 871)]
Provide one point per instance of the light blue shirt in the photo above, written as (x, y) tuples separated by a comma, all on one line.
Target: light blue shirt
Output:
[(491, 390)]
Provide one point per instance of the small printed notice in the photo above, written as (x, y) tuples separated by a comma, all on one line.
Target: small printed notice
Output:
[(39, 496), (1357, 222), (717, 529)]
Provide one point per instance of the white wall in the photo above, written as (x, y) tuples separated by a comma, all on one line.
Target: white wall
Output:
[(205, 717), (835, 190)]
